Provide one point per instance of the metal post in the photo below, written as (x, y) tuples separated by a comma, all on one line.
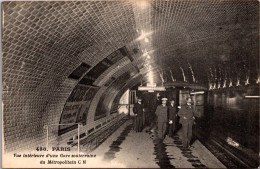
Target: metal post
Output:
[(195, 102), (78, 136), (47, 137), (129, 103), (47, 127)]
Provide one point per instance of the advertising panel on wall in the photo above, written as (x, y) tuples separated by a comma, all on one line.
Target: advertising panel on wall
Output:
[(76, 108)]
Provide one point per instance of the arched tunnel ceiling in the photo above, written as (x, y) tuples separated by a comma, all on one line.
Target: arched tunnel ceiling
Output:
[(210, 41)]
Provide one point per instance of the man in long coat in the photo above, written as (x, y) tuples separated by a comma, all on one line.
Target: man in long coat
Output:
[(162, 119), (186, 114), (138, 111), (172, 117)]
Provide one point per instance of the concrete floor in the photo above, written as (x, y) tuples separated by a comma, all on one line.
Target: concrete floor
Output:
[(126, 148)]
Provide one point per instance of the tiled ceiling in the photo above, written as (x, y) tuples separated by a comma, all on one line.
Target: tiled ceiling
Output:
[(209, 41)]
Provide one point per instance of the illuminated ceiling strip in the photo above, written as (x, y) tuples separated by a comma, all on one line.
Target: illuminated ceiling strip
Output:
[(253, 97), (151, 84), (145, 88), (201, 92)]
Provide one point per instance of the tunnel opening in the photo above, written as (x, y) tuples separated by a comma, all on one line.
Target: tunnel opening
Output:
[(124, 102)]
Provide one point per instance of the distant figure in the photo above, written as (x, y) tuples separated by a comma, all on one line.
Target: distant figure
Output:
[(162, 119), (186, 114), (172, 117), (138, 111)]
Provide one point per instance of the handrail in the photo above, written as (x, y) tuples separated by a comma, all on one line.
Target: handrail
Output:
[(47, 127), (89, 138), (107, 125)]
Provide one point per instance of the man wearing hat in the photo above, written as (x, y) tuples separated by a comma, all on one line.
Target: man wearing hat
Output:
[(186, 114), (138, 111), (172, 117), (162, 119)]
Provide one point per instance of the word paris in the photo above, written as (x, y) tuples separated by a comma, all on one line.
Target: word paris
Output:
[(53, 149)]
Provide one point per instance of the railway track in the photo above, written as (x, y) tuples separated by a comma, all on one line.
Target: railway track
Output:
[(225, 154)]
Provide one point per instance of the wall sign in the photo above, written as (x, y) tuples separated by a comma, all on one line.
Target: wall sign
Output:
[(76, 108)]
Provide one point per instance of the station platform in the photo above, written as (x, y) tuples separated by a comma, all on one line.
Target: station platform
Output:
[(126, 148)]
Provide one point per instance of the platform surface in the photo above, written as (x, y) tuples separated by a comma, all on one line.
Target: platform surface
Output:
[(129, 149)]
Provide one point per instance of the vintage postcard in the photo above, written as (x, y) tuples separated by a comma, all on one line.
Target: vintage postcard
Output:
[(130, 84)]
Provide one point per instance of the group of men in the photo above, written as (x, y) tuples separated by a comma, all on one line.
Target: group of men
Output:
[(167, 117)]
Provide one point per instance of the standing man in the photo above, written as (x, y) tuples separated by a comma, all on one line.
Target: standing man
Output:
[(172, 117), (138, 111), (186, 114), (161, 113)]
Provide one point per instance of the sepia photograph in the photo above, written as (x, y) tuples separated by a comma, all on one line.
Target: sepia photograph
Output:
[(130, 84)]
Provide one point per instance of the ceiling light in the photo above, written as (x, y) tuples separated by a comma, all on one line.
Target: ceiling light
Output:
[(201, 92), (252, 97), (150, 77), (144, 35), (142, 4)]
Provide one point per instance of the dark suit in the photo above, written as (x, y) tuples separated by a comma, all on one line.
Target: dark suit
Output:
[(187, 122), (172, 117), (138, 110), (162, 120)]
